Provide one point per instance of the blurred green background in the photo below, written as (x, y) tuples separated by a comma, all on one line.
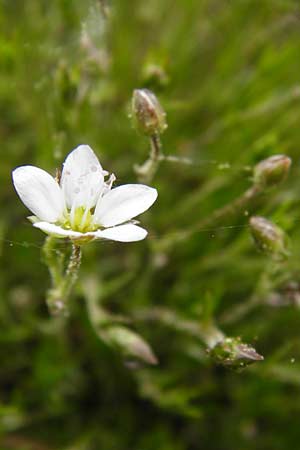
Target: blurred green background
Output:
[(228, 75)]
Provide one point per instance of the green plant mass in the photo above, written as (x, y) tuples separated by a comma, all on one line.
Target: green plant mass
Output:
[(188, 337)]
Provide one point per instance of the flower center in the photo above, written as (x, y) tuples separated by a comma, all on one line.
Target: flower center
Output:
[(80, 219)]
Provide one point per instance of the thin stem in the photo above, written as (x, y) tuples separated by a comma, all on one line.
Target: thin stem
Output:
[(155, 146), (246, 199), (148, 169), (62, 283), (104, 8), (180, 160), (72, 269), (205, 331), (235, 206), (238, 312), (54, 260)]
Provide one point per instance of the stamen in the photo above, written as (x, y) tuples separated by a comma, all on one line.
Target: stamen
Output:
[(72, 215), (84, 217), (108, 185)]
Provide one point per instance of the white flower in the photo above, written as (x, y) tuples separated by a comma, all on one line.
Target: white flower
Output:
[(83, 206)]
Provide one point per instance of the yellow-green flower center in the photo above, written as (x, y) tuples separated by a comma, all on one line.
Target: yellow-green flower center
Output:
[(80, 220)]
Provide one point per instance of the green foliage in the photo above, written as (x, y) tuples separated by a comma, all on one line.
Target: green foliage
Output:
[(227, 75)]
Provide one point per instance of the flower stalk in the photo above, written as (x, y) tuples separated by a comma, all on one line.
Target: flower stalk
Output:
[(149, 119), (268, 173), (62, 281), (230, 352), (148, 169), (245, 201), (113, 330)]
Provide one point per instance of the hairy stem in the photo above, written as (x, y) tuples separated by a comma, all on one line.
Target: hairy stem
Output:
[(62, 282)]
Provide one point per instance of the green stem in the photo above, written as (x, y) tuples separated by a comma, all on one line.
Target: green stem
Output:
[(54, 260), (241, 310), (62, 283), (205, 331), (147, 170), (244, 201)]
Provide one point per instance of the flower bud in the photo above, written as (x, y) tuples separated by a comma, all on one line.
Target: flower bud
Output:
[(268, 237), (272, 171), (129, 343), (233, 353), (148, 116)]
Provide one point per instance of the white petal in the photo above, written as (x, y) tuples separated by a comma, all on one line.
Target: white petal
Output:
[(82, 177), (122, 233), (57, 231), (39, 192), (123, 203)]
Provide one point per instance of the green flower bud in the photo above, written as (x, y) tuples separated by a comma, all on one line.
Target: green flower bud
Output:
[(272, 171), (268, 237), (148, 116), (233, 353)]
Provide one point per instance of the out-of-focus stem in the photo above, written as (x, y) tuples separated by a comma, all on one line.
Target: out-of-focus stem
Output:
[(206, 332), (238, 312), (244, 201), (227, 351), (104, 8)]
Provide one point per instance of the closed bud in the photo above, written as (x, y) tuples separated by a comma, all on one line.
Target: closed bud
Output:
[(272, 171), (148, 116), (129, 343), (268, 237), (233, 353)]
